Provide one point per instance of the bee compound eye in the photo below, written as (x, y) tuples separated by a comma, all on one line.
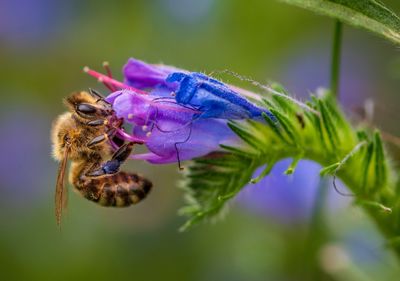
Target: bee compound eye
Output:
[(86, 108)]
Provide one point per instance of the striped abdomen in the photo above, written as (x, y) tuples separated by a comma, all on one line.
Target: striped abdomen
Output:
[(118, 190)]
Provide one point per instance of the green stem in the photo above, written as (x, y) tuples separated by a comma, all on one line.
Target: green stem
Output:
[(335, 69), (317, 219), (335, 62), (318, 230)]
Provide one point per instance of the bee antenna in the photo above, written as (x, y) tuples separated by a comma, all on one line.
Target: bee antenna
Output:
[(99, 96), (96, 93)]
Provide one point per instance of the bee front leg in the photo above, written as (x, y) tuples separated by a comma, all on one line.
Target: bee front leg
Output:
[(102, 138), (97, 122), (112, 166)]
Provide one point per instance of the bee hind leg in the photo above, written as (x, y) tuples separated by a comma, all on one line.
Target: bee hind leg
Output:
[(112, 166)]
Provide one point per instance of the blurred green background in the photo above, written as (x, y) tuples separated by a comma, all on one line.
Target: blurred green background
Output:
[(44, 45)]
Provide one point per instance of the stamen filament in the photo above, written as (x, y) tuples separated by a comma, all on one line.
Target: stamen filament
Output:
[(105, 79), (106, 66), (129, 137)]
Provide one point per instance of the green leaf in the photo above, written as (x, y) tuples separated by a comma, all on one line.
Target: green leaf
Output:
[(366, 164), (243, 134), (286, 126), (380, 164), (328, 124), (209, 186), (329, 170), (275, 127), (264, 173), (290, 170), (371, 15)]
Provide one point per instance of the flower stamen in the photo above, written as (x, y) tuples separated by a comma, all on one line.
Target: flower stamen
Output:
[(129, 137), (105, 79), (106, 66)]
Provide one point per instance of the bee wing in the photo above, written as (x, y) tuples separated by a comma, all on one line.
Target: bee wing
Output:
[(61, 198)]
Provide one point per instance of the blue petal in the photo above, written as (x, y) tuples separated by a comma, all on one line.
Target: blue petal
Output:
[(213, 98)]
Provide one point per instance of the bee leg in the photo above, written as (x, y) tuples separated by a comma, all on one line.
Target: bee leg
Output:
[(97, 122), (102, 138), (112, 166)]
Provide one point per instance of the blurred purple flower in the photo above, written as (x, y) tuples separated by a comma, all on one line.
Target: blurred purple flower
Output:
[(189, 11), (288, 198), (177, 114), (26, 23), (307, 68), (24, 167)]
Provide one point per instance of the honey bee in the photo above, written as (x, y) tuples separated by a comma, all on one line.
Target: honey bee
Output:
[(82, 135)]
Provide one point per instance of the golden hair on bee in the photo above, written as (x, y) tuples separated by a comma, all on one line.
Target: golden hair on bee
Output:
[(83, 135)]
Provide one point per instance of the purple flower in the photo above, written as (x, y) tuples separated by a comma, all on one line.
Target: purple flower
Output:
[(24, 155), (212, 98), (142, 75), (25, 24), (177, 114), (290, 199), (168, 129)]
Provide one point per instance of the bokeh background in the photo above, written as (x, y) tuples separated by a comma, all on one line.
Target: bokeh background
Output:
[(270, 232)]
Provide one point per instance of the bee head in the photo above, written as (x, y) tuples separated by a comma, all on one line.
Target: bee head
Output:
[(87, 107)]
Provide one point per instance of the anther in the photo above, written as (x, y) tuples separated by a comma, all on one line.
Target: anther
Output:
[(148, 134), (144, 128), (86, 69), (130, 115)]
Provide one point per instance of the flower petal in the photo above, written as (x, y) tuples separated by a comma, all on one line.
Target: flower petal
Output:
[(189, 140), (134, 108), (143, 75), (212, 97)]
